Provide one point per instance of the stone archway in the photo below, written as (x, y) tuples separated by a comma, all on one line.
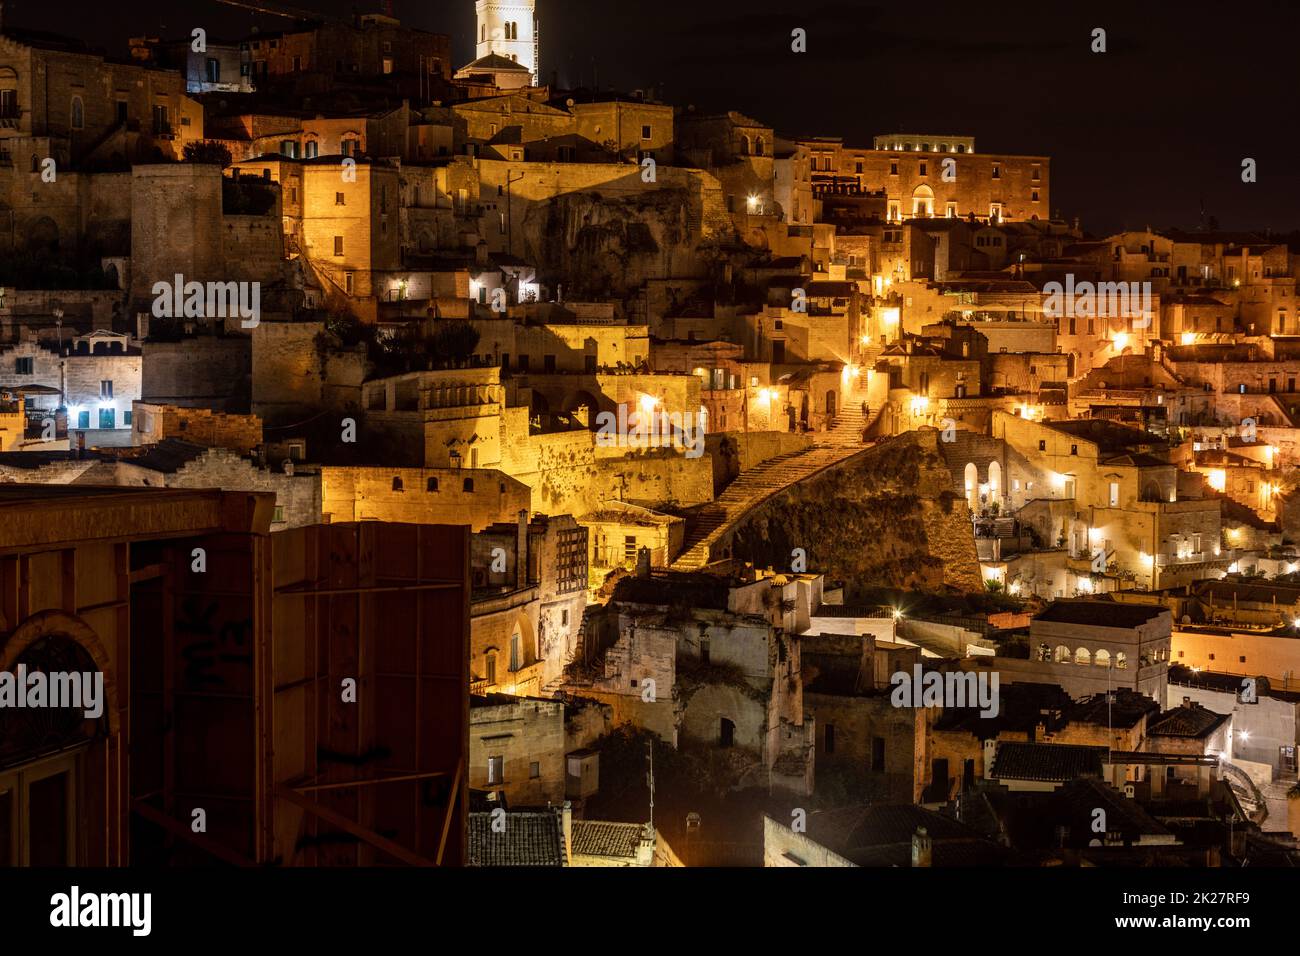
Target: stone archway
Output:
[(45, 624)]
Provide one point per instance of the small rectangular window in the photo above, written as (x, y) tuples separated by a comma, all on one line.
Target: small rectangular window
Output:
[(338, 245)]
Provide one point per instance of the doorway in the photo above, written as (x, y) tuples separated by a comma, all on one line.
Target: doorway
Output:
[(726, 733), (38, 818)]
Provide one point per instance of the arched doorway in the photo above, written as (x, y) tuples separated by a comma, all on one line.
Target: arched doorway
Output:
[(42, 748), (995, 482), (972, 486), (726, 732), (923, 202)]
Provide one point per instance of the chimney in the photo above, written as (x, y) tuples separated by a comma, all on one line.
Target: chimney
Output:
[(1187, 702), (566, 820), (521, 551), (922, 848)]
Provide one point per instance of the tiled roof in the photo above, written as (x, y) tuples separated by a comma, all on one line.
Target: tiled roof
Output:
[(529, 839), (1187, 721), (1054, 763), (1125, 708), (598, 838)]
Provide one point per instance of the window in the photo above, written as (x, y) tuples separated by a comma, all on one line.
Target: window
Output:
[(645, 132), (161, 121), (515, 663), (1074, 449), (496, 770), (1114, 494), (893, 168), (348, 282), (431, 485), (23, 366), (922, 169), (534, 770), (289, 148), (9, 104), (214, 69), (106, 388), (397, 484), (278, 517), (338, 245), (468, 485), (340, 199), (997, 171), (492, 668), (1042, 444), (78, 113)]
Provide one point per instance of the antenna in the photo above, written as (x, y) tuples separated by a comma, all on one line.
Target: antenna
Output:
[(650, 746)]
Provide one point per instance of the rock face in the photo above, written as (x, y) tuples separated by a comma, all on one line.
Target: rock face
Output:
[(887, 517)]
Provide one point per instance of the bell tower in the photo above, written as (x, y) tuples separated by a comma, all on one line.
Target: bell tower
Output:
[(508, 28)]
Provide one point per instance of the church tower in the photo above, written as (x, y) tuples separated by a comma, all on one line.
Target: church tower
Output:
[(508, 28)]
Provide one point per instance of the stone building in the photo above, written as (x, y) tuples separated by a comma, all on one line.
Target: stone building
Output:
[(516, 749), (97, 376), (1090, 647), (530, 584), (1120, 508), (689, 657), (374, 45), (940, 175), (60, 100)]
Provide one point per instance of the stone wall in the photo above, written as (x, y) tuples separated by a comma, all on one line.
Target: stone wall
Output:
[(204, 371), (152, 423)]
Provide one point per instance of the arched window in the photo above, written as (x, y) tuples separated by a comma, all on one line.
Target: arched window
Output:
[(995, 481), (468, 485), (78, 113), (972, 481), (758, 146), (1044, 652), (397, 483), (1082, 656), (431, 484), (744, 145), (1101, 658), (1121, 662), (1062, 654)]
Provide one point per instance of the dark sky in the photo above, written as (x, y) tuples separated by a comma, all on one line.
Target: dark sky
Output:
[(1140, 135)]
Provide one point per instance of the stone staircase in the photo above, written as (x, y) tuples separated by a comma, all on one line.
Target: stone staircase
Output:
[(706, 526)]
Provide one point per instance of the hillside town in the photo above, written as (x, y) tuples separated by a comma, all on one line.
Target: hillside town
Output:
[(428, 464)]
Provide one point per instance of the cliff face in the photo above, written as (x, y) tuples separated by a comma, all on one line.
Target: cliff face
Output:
[(887, 517), (607, 243)]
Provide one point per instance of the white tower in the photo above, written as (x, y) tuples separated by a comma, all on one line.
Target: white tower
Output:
[(508, 28)]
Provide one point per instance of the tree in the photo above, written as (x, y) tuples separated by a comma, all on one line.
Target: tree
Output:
[(208, 151), (454, 342)]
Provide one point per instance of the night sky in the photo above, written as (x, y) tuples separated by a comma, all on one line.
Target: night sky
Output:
[(1144, 134)]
